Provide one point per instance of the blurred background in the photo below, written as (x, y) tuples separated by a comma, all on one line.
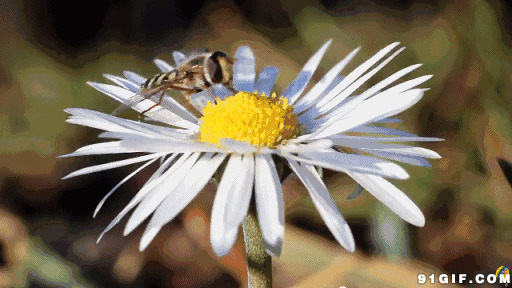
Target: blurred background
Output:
[(50, 48)]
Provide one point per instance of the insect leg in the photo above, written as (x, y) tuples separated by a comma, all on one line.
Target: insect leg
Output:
[(156, 104)]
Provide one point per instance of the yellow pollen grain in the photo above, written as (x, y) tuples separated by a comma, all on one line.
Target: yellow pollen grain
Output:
[(249, 117)]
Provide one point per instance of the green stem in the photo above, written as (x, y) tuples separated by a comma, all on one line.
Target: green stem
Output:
[(259, 263)]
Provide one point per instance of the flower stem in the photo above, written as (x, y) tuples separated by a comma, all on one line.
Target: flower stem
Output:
[(259, 263)]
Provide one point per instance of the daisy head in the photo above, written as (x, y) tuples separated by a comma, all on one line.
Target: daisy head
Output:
[(242, 130)]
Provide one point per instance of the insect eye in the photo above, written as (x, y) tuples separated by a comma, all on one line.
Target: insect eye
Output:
[(214, 70)]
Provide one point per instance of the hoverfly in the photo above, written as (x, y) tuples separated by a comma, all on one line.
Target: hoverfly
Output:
[(196, 73)]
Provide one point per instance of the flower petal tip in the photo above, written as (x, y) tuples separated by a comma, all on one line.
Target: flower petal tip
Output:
[(274, 249)]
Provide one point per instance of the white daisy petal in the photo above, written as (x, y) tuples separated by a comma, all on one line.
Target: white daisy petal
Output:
[(237, 146), (392, 197), (96, 123), (156, 179), (227, 186), (269, 204), (112, 165), (266, 80), (127, 84), (117, 93), (178, 57), (175, 107), (241, 196), (119, 185), (244, 71), (111, 123), (351, 105), (342, 139), (199, 175), (390, 120), (382, 84), (354, 75), (295, 89), (407, 85), (325, 204), (163, 115), (377, 107), (413, 160), (381, 130), (134, 77), (220, 91), (406, 151), (152, 145), (102, 148), (163, 66), (159, 193), (344, 162), (335, 100), (370, 144), (315, 94), (201, 99)]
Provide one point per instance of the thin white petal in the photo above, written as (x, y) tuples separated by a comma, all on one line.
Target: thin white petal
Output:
[(102, 148), (117, 93), (201, 99), (107, 122), (179, 57), (119, 185), (382, 84), (354, 75), (413, 160), (151, 145), (341, 139), (325, 204), (266, 80), (159, 193), (381, 130), (96, 123), (390, 120), (218, 229), (353, 103), (315, 94), (407, 151), (370, 144), (335, 100), (269, 203), (392, 197), (155, 179), (163, 66), (295, 89), (241, 195), (344, 162), (237, 146), (112, 165), (134, 77), (183, 194), (159, 114), (127, 84), (244, 71), (404, 86), (220, 91), (375, 108)]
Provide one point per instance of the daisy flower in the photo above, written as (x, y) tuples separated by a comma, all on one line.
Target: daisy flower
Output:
[(329, 126)]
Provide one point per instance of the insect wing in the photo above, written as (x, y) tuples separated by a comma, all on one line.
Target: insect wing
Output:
[(130, 102)]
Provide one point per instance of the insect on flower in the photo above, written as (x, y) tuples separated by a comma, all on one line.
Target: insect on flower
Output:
[(196, 73)]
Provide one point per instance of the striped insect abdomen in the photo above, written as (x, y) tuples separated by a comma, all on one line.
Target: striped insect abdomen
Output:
[(158, 80)]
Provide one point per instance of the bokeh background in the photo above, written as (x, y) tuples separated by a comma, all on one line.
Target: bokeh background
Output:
[(50, 48)]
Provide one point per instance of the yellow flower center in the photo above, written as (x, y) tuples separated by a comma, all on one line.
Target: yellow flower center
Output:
[(249, 117)]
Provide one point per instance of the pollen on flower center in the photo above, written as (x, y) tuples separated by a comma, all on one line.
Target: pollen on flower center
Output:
[(249, 117)]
